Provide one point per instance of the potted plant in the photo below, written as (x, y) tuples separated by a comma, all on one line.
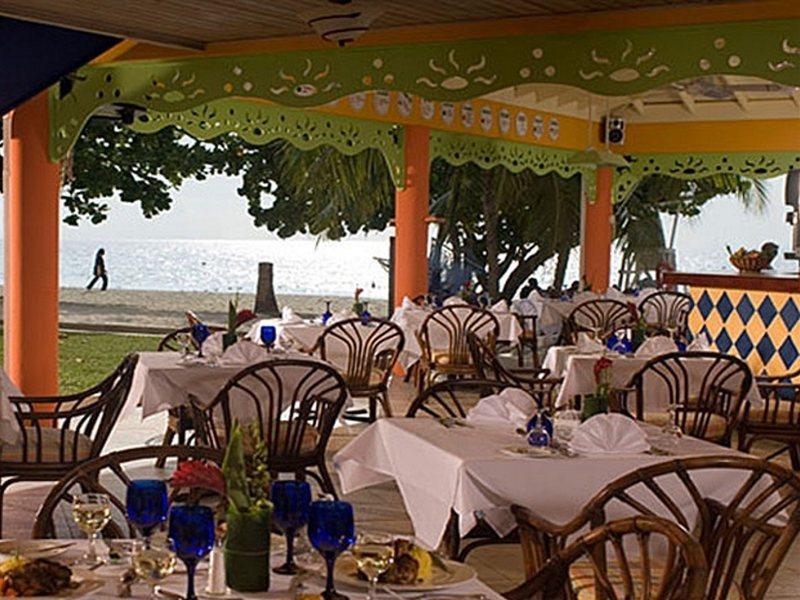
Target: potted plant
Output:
[(639, 329), (597, 403), (358, 305), (243, 483), (236, 318)]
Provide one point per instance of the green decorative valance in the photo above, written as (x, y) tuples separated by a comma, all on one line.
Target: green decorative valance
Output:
[(617, 63), (758, 165), (261, 123), (459, 149)]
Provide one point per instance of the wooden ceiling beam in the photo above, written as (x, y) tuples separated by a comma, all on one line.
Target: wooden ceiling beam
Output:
[(638, 105), (742, 101)]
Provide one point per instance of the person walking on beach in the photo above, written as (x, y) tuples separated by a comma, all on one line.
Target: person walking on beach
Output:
[(99, 270)]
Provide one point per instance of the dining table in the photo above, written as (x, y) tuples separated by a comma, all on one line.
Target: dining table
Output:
[(296, 334), (577, 369), (166, 380), (103, 582), (475, 472)]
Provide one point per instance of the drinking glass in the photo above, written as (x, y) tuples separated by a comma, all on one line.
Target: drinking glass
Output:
[(290, 501), (366, 316), (374, 554), (538, 437), (200, 333), (327, 314), (147, 505), (268, 335), (191, 532), (152, 563), (91, 512), (331, 531), (185, 343), (671, 431)]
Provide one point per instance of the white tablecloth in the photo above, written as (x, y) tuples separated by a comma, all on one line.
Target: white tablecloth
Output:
[(162, 382), (9, 427), (108, 576), (410, 321), (291, 336), (464, 469), (578, 374)]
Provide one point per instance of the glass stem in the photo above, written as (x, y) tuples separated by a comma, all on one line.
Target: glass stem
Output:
[(190, 568), (91, 551), (330, 560), (373, 589), (290, 547)]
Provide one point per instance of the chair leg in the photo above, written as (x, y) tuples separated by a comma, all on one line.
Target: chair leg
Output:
[(387, 408), (169, 435), (373, 409), (3, 487), (794, 453), (327, 482), (520, 354)]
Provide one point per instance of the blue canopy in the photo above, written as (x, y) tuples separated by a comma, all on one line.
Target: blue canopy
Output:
[(34, 56)]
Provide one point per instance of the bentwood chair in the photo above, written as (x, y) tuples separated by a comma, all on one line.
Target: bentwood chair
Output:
[(575, 573), (777, 420), (179, 420), (443, 341), (667, 313), (745, 530), (536, 381), (364, 354), (706, 389), (110, 474), (292, 404), (601, 317), (58, 433), (528, 339)]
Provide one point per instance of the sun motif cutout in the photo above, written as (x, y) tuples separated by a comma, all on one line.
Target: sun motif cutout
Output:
[(459, 78), (306, 85), (629, 67)]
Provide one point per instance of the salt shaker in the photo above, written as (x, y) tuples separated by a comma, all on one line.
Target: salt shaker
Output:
[(216, 573)]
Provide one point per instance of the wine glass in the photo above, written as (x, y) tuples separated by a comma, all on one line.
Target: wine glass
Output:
[(147, 505), (366, 316), (374, 555), (191, 531), (268, 335), (200, 333), (91, 512), (291, 501), (331, 531), (152, 563), (185, 343), (671, 431), (327, 314)]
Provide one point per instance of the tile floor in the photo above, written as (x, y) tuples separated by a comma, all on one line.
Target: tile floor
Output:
[(377, 508)]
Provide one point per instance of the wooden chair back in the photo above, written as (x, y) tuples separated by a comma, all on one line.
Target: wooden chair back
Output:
[(111, 474), (169, 343), (446, 399), (745, 533), (602, 317), (631, 571), (453, 324), (667, 313), (364, 353), (701, 384)]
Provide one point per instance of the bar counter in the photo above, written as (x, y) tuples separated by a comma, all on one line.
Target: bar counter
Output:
[(755, 316)]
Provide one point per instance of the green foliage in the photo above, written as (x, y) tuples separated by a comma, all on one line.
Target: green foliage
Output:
[(246, 471), (234, 468)]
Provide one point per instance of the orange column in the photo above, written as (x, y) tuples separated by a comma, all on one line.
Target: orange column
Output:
[(30, 302), (410, 214), (598, 232)]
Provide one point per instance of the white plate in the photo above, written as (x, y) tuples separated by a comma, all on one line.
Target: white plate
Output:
[(456, 574), (530, 452), (33, 548)]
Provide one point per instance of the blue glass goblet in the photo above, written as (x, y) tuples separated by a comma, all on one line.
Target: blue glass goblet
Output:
[(365, 316), (191, 532), (147, 505), (291, 501), (268, 335), (200, 334), (326, 316), (331, 531)]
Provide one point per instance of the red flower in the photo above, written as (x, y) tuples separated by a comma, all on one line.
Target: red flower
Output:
[(600, 366), (359, 291), (198, 474), (243, 316), (633, 311)]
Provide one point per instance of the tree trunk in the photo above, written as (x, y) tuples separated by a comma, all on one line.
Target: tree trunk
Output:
[(561, 267), (491, 218)]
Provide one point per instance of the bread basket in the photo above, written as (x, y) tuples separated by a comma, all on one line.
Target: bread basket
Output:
[(751, 264)]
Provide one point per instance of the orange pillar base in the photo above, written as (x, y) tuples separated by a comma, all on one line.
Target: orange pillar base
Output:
[(598, 233), (32, 222), (411, 212)]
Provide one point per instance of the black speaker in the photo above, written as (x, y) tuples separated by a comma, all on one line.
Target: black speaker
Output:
[(613, 128)]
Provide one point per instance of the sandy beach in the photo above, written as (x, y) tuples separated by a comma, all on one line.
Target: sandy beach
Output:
[(158, 310)]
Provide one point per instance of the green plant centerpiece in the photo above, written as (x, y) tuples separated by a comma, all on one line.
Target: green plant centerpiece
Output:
[(639, 328), (236, 318), (358, 305), (249, 513)]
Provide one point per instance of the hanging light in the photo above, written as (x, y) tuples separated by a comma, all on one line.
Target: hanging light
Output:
[(341, 21), (592, 157)]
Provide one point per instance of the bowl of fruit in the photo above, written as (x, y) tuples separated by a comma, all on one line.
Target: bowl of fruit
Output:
[(753, 261)]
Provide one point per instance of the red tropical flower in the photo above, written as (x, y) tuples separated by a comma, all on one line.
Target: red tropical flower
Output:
[(243, 316), (603, 363), (198, 474)]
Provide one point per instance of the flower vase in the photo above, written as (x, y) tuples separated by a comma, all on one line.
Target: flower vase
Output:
[(247, 545), (229, 339), (593, 404), (358, 308)]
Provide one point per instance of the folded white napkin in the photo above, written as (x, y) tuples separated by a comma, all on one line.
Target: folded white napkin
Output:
[(699, 343), (500, 307), (509, 409), (244, 352), (408, 303), (288, 316), (609, 434), (659, 344), (453, 301), (213, 344), (588, 345)]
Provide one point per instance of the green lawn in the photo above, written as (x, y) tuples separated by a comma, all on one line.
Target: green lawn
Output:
[(86, 358)]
